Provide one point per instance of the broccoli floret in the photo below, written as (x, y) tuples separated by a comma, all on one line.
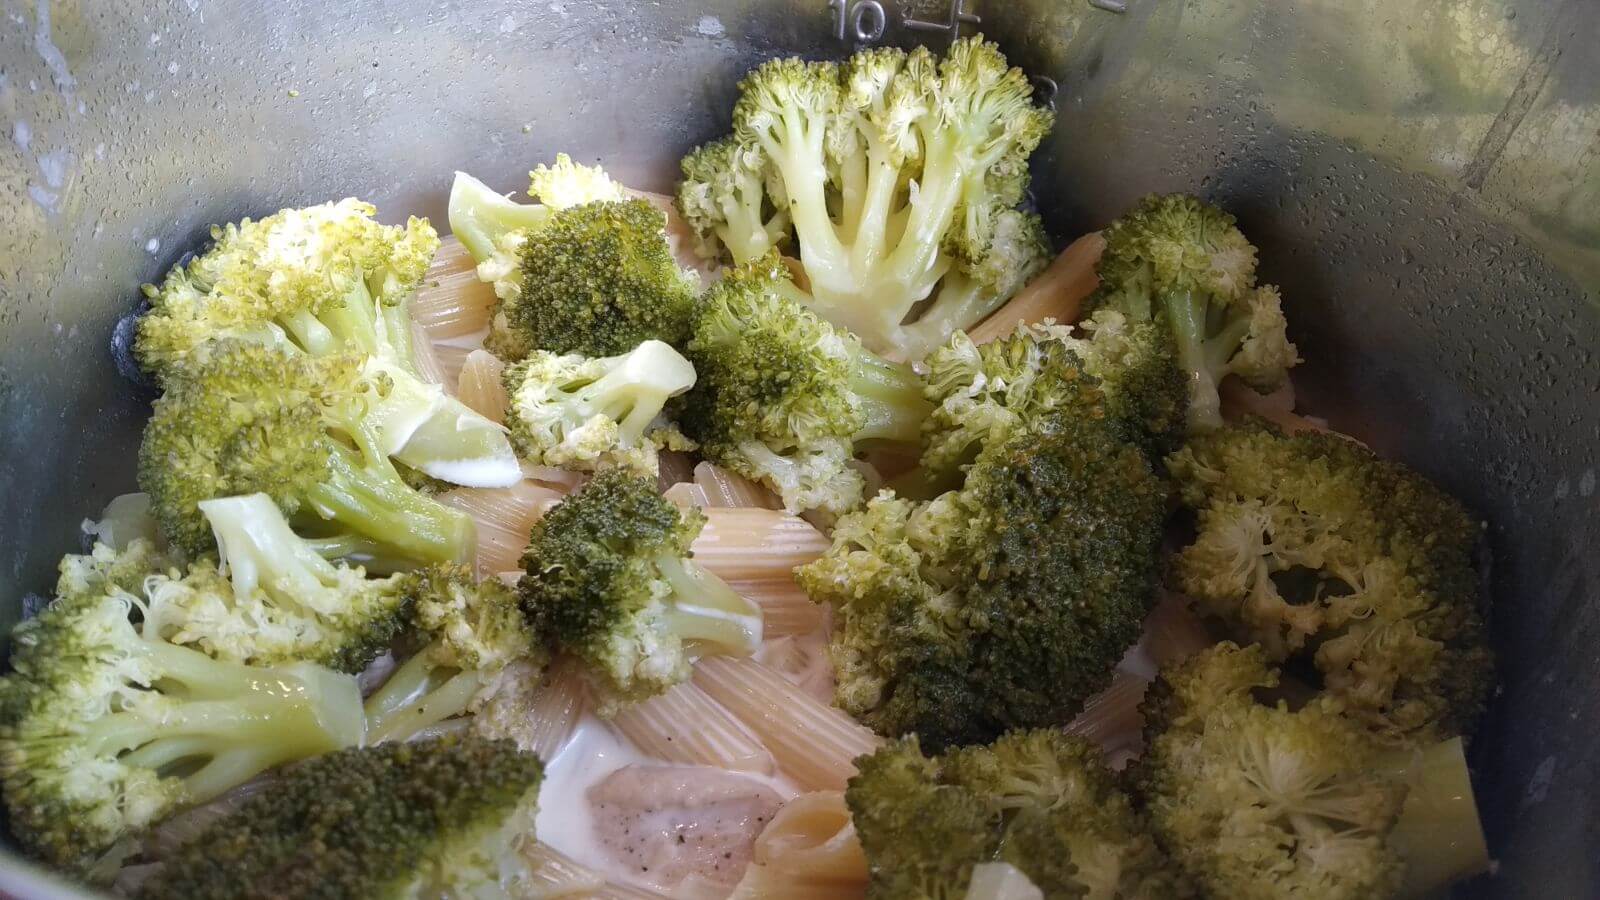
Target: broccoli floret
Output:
[(104, 730), (473, 629), (1041, 801), (1321, 551), (1257, 801), (242, 418), (597, 280), (1134, 364), (442, 818), (328, 280), (104, 567), (609, 579), (1004, 604), (897, 175), (582, 413), (1181, 262), (269, 598), (784, 397)]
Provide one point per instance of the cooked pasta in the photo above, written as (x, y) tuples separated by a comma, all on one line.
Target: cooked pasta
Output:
[(813, 743), (449, 358), (451, 301), (687, 493), (676, 467), (1056, 293), (424, 356), (479, 385), (809, 850), (622, 892), (553, 874), (803, 661), (785, 608), (1111, 718), (685, 725), (539, 711), (504, 517), (729, 489), (756, 544)]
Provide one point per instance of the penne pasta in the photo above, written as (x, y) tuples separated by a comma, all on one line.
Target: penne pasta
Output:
[(478, 385), (812, 836), (424, 357), (804, 662), (687, 493), (811, 741), (504, 518), (785, 608), (729, 489), (764, 883), (553, 874), (1056, 293), (537, 711), (451, 301), (1111, 718), (684, 725), (756, 544), (449, 358), (676, 467)]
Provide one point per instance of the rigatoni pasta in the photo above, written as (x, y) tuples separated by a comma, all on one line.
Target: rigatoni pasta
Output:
[(756, 544), (479, 386), (451, 301), (504, 517), (685, 725), (785, 608), (814, 743), (538, 712), (730, 489)]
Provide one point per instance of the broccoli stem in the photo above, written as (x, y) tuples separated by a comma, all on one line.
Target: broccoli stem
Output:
[(353, 321), (871, 220), (1439, 832), (261, 551), (891, 398), (309, 333), (369, 496), (799, 156), (746, 235), (1186, 315), (705, 610), (414, 698), (479, 217)]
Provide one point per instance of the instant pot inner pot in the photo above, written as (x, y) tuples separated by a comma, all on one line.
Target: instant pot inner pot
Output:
[(1422, 177)]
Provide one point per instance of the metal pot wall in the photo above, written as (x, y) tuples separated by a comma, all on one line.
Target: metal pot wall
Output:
[(1423, 178)]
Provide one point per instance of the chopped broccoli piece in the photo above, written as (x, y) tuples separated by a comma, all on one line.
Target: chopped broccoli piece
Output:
[(784, 397), (328, 280), (582, 413), (104, 730), (1002, 605), (1181, 262), (1133, 362), (1258, 801), (241, 418), (269, 598), (597, 280), (895, 175), (1041, 801), (1319, 550), (442, 818), (474, 629), (104, 567), (609, 578)]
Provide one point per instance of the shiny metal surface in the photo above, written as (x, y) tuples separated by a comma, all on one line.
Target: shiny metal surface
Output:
[(1423, 177)]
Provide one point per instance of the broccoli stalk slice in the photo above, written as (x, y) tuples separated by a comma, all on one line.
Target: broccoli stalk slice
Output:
[(704, 610), (421, 693), (1438, 833), (259, 551), (480, 217), (890, 397), (1203, 351), (364, 491)]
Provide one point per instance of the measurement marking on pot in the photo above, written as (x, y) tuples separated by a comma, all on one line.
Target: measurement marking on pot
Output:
[(862, 21), (957, 17)]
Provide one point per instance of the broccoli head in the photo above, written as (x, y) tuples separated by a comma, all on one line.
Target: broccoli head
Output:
[(269, 598), (1042, 801), (472, 631), (597, 280), (1257, 801), (1183, 263), (1320, 551), (106, 728), (609, 579), (441, 818), (1001, 605), (328, 280), (784, 397), (584, 413), (895, 176), (242, 418)]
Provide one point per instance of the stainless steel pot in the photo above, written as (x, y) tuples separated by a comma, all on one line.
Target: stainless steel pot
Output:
[(1423, 177)]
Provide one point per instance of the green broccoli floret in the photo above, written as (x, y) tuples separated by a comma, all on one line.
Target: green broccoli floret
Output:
[(1181, 262), (105, 730), (1134, 364), (1041, 801), (583, 413), (104, 567), (328, 280), (598, 280), (897, 176), (1002, 605), (609, 579), (784, 397), (441, 818), (269, 598), (242, 418), (1319, 550), (473, 630), (1258, 801)]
